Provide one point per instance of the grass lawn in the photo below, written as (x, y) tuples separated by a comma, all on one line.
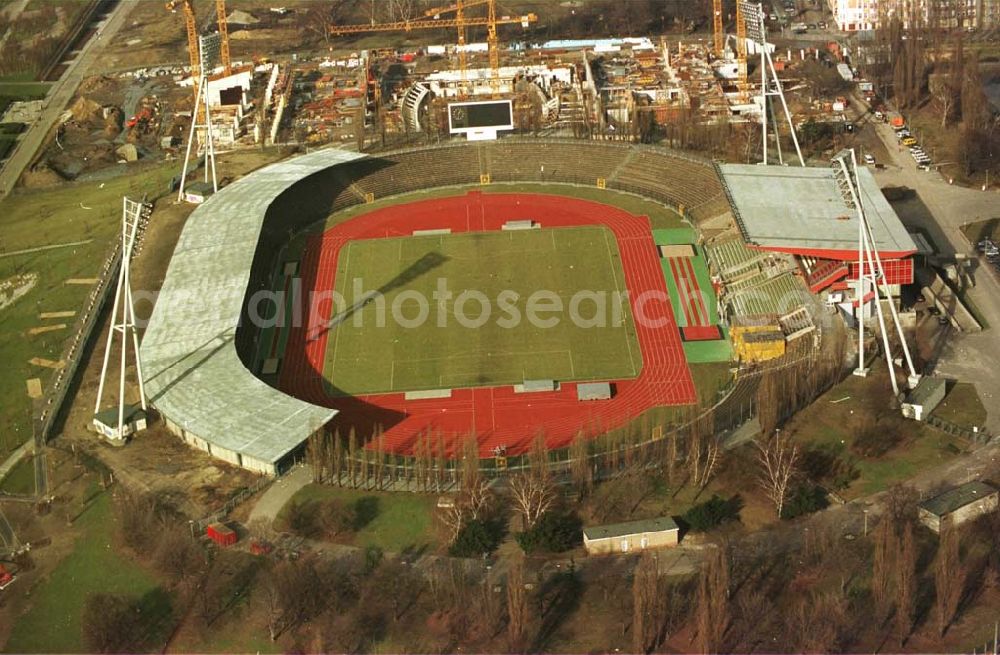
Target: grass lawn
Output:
[(67, 214), (976, 232), (21, 479), (19, 89), (709, 379), (52, 623), (962, 406), (400, 521), (449, 347), (837, 418)]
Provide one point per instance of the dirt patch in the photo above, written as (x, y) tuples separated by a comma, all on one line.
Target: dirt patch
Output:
[(40, 177), (14, 287)]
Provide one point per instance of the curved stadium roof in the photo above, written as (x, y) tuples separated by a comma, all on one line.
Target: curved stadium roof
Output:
[(191, 369)]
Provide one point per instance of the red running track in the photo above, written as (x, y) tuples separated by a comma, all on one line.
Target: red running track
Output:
[(496, 415)]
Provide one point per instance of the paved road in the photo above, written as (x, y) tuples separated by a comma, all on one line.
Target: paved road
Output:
[(278, 494), (58, 98), (941, 211)]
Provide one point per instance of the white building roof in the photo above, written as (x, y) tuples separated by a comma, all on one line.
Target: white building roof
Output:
[(191, 369)]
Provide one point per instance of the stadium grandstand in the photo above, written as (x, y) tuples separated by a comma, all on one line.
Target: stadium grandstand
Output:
[(802, 212), (199, 351), (196, 357)]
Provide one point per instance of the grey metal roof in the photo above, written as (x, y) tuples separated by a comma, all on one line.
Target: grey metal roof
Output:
[(927, 389), (192, 373), (958, 497), (802, 208), (661, 524), (593, 390)]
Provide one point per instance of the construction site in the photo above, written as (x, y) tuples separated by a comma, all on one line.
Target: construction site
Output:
[(633, 89)]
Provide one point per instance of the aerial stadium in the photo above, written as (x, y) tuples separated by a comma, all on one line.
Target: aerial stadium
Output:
[(271, 323)]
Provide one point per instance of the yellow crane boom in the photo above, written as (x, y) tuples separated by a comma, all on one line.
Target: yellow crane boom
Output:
[(410, 25), (717, 29), (192, 31), (491, 21), (220, 16), (191, 27)]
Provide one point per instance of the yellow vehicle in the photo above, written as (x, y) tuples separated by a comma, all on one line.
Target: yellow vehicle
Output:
[(909, 141)]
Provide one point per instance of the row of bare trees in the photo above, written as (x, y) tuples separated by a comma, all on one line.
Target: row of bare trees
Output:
[(916, 59), (895, 581)]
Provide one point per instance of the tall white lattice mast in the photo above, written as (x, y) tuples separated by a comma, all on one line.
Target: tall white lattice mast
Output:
[(209, 47), (871, 273), (770, 85), (123, 313)]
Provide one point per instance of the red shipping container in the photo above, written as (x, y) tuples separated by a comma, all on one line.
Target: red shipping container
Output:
[(221, 534)]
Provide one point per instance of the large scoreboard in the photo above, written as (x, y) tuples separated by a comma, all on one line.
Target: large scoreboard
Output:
[(480, 120)]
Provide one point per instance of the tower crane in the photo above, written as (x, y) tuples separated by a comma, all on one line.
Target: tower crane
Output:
[(192, 32), (718, 31), (220, 17), (491, 26), (741, 51), (191, 26), (491, 21)]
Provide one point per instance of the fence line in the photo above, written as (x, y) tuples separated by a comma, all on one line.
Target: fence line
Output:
[(980, 436), (198, 526), (46, 409)]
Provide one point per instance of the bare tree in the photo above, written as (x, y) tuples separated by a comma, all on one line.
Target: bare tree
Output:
[(293, 592), (818, 623), (712, 608), (533, 490), (646, 603), (109, 623), (906, 565), (949, 579), (695, 443), (882, 562), (777, 457), (336, 455), (711, 461), (769, 402), (317, 447), (672, 459), (579, 454), (475, 499), (178, 555), (517, 606)]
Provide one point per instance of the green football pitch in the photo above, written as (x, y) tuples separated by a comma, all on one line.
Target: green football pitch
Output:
[(415, 337)]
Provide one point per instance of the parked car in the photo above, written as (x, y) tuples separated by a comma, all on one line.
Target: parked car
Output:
[(909, 141), (870, 160), (823, 25)]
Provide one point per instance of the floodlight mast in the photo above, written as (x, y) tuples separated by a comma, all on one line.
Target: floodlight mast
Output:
[(870, 271), (123, 313), (209, 55), (770, 85)]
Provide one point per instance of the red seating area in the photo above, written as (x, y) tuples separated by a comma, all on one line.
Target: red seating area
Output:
[(497, 415), (824, 273)]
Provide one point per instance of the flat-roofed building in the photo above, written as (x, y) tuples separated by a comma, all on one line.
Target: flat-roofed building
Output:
[(631, 536), (956, 506)]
